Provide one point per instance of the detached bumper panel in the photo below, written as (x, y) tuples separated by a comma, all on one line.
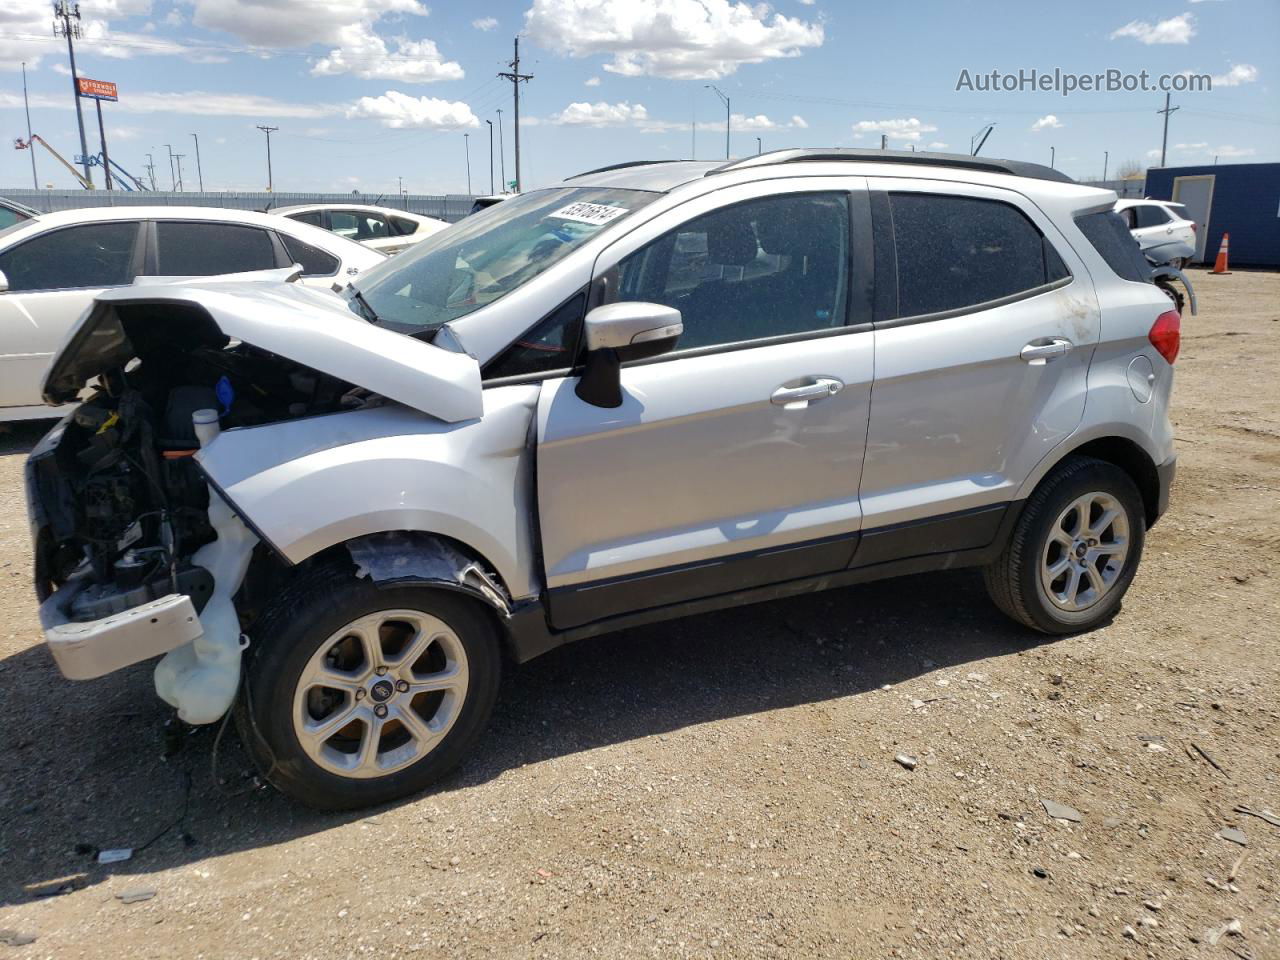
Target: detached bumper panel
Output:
[(1166, 472), (95, 648)]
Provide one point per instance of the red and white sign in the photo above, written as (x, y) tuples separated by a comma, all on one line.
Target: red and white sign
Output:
[(96, 89)]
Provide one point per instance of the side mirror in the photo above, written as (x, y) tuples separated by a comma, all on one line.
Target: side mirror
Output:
[(4, 282), (617, 332)]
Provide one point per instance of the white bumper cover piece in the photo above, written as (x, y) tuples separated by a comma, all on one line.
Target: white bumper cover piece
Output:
[(87, 650)]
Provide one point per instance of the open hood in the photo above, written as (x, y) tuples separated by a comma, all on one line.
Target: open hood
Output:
[(308, 326)]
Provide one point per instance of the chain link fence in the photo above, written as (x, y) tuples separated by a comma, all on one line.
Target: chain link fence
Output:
[(450, 207)]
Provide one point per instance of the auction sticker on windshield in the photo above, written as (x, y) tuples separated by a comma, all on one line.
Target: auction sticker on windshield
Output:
[(593, 213)]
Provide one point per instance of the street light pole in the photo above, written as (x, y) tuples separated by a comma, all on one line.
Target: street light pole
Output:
[(1052, 154), (173, 179), (727, 117), (490, 123), (199, 171), (63, 14), (502, 153), (759, 147), (35, 181), (466, 143), (271, 184)]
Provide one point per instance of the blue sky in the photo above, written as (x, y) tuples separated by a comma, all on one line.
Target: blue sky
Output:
[(368, 91)]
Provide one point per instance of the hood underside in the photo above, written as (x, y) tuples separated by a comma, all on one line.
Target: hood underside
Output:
[(311, 327)]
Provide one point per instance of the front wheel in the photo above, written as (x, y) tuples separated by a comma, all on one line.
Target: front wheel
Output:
[(356, 695), (1074, 550)]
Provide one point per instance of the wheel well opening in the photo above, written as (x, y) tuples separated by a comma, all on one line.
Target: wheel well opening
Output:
[(1133, 460)]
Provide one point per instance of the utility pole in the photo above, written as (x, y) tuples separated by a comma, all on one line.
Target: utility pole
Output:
[(400, 187), (271, 184), (490, 123), (727, 116), (151, 171), (102, 135), (884, 141), (466, 144), (1106, 157), (63, 15), (178, 157), (199, 172), (502, 154), (35, 181), (173, 179), (1164, 141), (516, 78)]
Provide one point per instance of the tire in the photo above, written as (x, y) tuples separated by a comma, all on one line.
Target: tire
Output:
[(384, 724), (1023, 581)]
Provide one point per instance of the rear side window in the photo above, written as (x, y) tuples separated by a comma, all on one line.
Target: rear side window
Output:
[(92, 255), (313, 217), (958, 252), (404, 227), (1150, 216), (314, 261), (1107, 232), (199, 249)]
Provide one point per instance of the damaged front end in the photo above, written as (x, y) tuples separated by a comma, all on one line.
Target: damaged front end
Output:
[(137, 553)]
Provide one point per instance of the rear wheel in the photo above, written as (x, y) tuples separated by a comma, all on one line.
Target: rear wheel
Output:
[(357, 695), (1074, 550)]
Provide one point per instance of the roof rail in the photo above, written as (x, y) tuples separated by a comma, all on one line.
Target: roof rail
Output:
[(1018, 168), (618, 166)]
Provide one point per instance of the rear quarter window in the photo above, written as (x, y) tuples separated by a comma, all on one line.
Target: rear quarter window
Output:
[(1110, 236)]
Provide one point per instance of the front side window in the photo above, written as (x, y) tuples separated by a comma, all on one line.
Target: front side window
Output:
[(478, 261), (9, 217), (957, 252), (204, 249), (548, 346), (763, 268), (1150, 216), (92, 255)]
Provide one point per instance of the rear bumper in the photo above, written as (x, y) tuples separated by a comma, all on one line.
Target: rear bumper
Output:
[(84, 650), (1165, 472)]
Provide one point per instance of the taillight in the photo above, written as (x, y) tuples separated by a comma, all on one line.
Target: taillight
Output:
[(1193, 226), (1166, 334)]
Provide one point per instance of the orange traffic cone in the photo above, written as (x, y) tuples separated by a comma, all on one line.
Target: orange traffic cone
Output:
[(1220, 265)]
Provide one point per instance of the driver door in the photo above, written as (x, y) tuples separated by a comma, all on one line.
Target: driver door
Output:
[(735, 460)]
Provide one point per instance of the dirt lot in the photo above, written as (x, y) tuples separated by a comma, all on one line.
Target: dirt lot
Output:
[(725, 786)]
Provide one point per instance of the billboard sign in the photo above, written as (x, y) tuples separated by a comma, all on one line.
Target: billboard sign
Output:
[(96, 89)]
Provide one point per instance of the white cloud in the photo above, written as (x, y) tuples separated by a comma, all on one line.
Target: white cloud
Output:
[(1179, 29), (938, 145), (1238, 74), (485, 23), (365, 54), (396, 109), (591, 82), (601, 114), (123, 133), (799, 123), (195, 102), (1190, 146), (684, 39), (1231, 153), (906, 128), (1047, 122)]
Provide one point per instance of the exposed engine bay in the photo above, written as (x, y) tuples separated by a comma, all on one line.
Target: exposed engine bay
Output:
[(124, 504)]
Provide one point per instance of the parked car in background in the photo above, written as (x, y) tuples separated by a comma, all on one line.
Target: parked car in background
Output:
[(484, 203), (384, 229), (53, 266), (11, 212), (1159, 223), (737, 381)]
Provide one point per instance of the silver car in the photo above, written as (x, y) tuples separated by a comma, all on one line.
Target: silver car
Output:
[(650, 391)]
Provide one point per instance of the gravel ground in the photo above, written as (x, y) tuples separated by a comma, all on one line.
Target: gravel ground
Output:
[(725, 786)]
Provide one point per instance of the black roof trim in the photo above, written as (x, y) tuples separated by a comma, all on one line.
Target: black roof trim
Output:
[(1018, 168), (619, 166)]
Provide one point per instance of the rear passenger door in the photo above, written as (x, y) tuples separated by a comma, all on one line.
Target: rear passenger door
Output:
[(206, 248), (985, 325), (732, 462)]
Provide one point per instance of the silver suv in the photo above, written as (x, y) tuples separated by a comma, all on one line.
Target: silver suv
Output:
[(653, 390)]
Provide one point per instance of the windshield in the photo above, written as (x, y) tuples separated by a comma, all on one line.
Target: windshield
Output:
[(489, 254)]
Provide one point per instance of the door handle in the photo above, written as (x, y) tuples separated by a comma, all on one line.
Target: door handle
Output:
[(799, 397), (1041, 352)]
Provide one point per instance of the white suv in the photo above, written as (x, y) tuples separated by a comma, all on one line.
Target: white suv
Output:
[(653, 390)]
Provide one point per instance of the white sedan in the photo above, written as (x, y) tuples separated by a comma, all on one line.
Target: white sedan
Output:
[(52, 267), (1157, 223), (382, 228)]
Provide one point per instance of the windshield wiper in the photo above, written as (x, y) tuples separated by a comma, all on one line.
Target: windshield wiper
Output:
[(369, 313)]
